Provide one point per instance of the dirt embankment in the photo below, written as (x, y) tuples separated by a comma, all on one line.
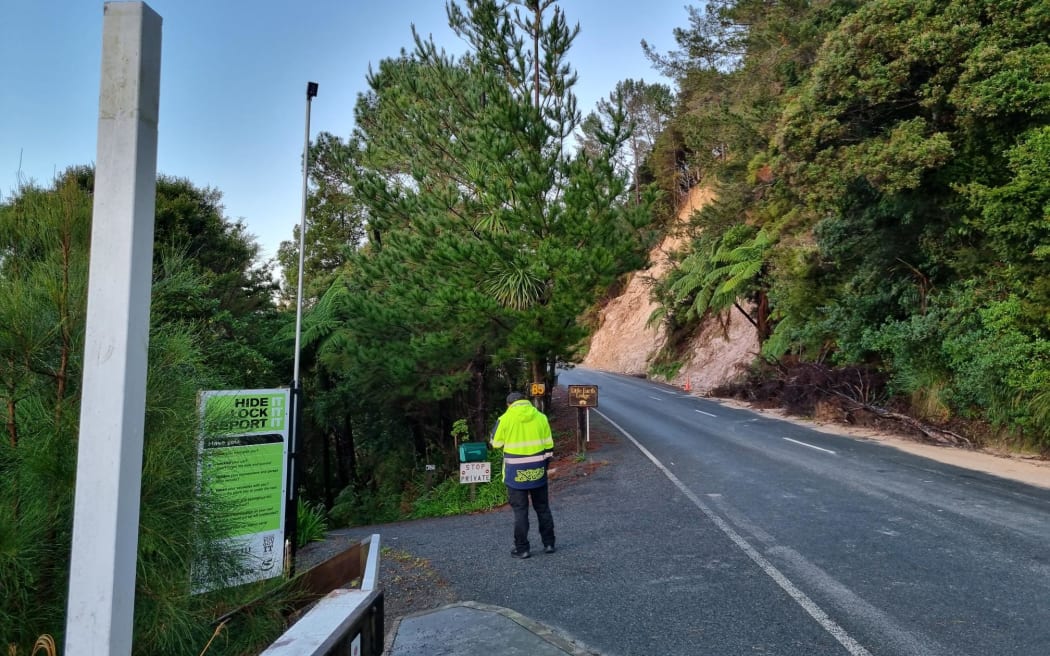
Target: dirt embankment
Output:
[(624, 343), (718, 354)]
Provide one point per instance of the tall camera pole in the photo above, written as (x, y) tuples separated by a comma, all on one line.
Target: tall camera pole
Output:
[(292, 507)]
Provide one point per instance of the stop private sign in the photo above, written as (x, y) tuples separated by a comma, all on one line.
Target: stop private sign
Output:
[(475, 472)]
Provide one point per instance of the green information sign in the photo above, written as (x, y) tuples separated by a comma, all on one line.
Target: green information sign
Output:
[(249, 479), (243, 456)]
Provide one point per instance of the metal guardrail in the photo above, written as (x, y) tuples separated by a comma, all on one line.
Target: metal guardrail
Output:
[(346, 620)]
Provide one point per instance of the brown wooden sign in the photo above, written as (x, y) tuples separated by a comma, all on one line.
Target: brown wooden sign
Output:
[(583, 396)]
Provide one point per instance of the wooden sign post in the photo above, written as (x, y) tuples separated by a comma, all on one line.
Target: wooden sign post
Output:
[(583, 398)]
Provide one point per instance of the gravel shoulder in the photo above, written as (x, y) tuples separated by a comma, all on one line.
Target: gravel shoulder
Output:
[(1024, 468)]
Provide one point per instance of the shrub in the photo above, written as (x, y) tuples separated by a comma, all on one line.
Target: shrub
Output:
[(311, 523)]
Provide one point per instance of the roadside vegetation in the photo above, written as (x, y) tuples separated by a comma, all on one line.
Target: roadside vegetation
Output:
[(210, 308), (882, 183), (882, 204)]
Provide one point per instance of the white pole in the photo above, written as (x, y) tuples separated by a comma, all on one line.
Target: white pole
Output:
[(113, 400)]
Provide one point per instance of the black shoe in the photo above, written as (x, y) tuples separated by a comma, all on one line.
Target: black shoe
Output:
[(523, 554), (549, 548)]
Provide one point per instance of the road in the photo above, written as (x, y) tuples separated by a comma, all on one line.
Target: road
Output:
[(717, 531), (887, 552)]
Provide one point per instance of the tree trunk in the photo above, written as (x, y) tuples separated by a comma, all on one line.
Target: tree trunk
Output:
[(552, 378), (342, 477), (476, 409), (538, 378), (934, 434), (536, 51), (419, 439), (762, 318), (326, 467), (747, 316), (346, 454)]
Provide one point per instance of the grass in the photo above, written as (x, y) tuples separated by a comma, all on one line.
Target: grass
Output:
[(450, 497)]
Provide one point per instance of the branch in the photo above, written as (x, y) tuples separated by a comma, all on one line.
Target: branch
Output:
[(746, 315), (937, 435)]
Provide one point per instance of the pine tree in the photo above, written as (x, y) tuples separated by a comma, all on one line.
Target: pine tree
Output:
[(476, 196), (44, 250)]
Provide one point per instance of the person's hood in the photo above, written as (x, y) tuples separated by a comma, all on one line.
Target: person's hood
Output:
[(522, 411)]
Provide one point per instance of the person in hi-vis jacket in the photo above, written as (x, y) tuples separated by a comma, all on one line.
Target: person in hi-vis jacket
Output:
[(525, 437)]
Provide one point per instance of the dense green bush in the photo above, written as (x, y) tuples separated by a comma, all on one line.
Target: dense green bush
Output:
[(311, 523), (976, 348), (450, 497), (44, 236), (896, 155)]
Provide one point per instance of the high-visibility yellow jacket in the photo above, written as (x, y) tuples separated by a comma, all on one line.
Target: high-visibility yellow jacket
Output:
[(524, 434)]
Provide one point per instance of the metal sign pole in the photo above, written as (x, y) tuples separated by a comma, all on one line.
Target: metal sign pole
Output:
[(292, 513)]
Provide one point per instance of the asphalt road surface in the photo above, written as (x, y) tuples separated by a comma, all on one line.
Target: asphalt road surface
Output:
[(718, 531)]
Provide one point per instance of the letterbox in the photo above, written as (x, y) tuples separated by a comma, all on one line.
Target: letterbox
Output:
[(473, 452)]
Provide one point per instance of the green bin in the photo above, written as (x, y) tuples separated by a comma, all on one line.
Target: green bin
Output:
[(473, 452)]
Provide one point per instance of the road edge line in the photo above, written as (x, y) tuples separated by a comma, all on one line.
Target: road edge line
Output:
[(807, 604)]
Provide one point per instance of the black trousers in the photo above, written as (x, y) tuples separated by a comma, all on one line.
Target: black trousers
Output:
[(519, 501)]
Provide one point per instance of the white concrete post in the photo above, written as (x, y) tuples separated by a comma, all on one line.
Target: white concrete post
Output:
[(113, 397)]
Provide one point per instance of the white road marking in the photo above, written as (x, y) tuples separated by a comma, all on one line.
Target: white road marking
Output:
[(671, 392), (807, 604), (656, 398), (706, 413), (810, 446)]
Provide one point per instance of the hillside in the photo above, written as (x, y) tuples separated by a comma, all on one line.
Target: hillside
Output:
[(624, 344)]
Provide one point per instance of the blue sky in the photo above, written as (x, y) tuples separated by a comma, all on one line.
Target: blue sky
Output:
[(233, 80)]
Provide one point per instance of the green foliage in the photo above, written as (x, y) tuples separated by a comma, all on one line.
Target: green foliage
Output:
[(665, 366), (1015, 217), (647, 108), (487, 226), (977, 347), (44, 234), (450, 497), (363, 507), (43, 238), (311, 523), (882, 174), (335, 220), (389, 462), (233, 309), (712, 281), (488, 235), (395, 496), (460, 431)]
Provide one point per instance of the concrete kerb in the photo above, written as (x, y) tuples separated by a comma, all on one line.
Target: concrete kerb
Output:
[(555, 638)]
